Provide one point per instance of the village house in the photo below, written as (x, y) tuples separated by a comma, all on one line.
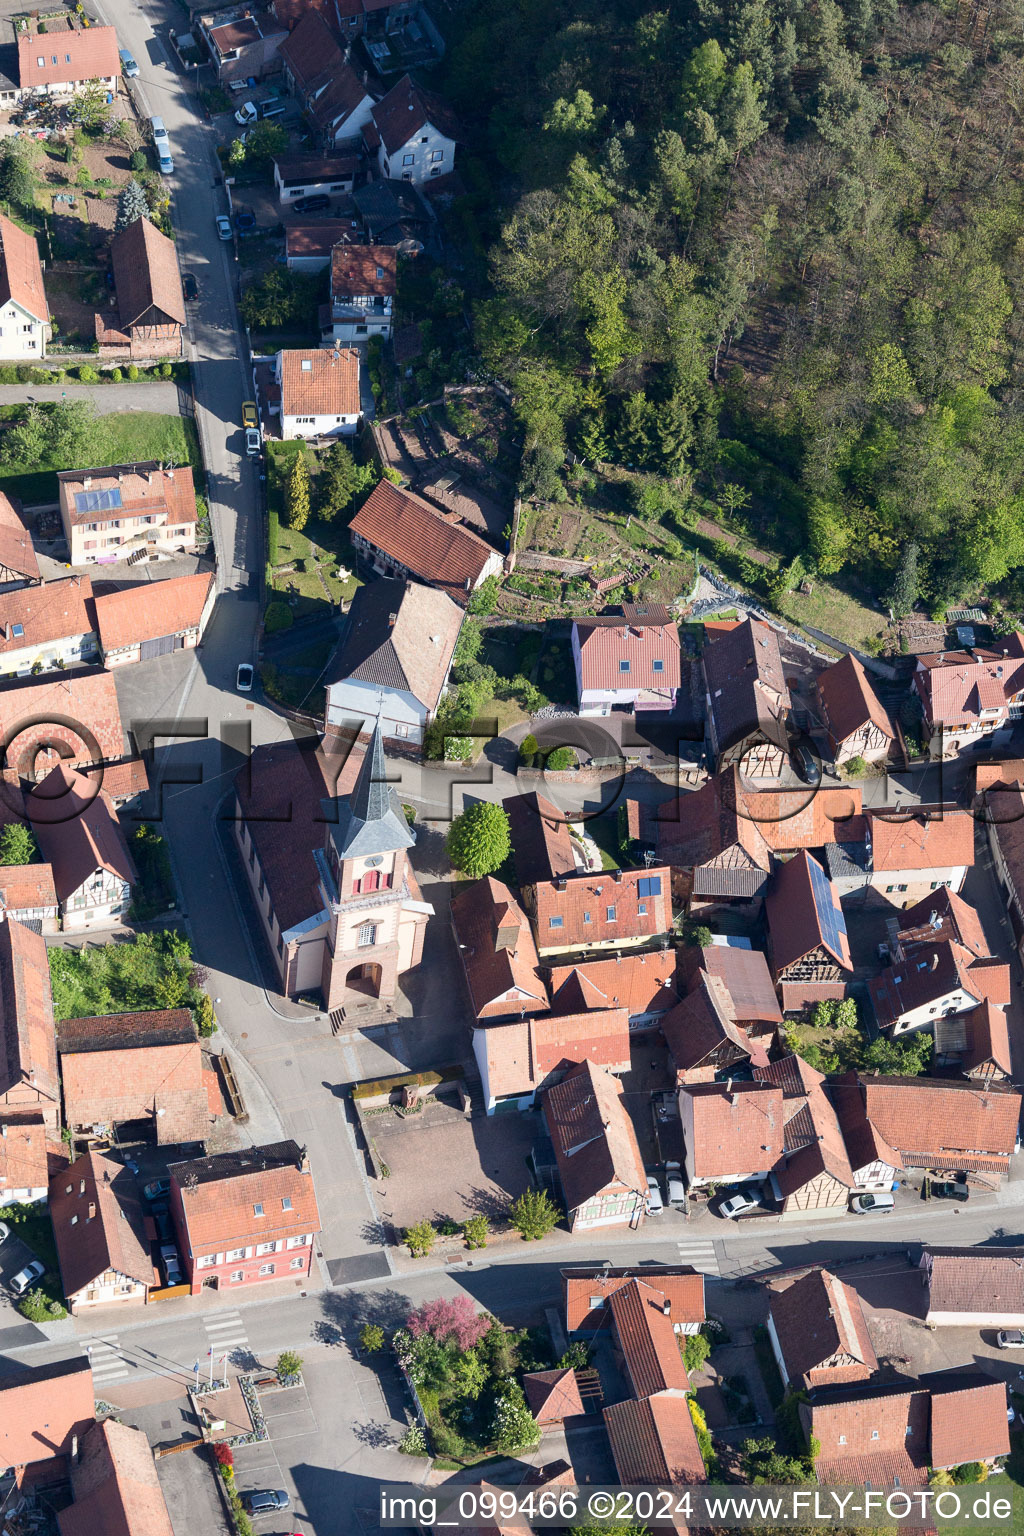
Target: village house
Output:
[(297, 175), (353, 18), (808, 947), (150, 303), (968, 696), (308, 246), (944, 1123), (154, 618), (30, 1155), (78, 833), (19, 566), (127, 512), (74, 719), (718, 856), (791, 820), (245, 1217), (702, 1038), (874, 1164), (44, 1412), (587, 1292), (99, 1233), (553, 1396), (522, 1057), (47, 627), (814, 1177), (139, 1069), (402, 535), (939, 966), (319, 393), (974, 1287), (629, 661), (818, 1332), (542, 845), (28, 1061), (897, 859), (855, 722), (747, 701), (412, 134), (242, 45), (393, 666), (599, 1163), (364, 280), (61, 61), (653, 1441), (977, 1042), (615, 909), (333, 96), (28, 896), (337, 897), (747, 993), (644, 984), (115, 1485), (732, 1132), (498, 955), (24, 310), (392, 212)]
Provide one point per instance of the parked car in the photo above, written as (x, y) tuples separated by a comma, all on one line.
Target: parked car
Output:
[(265, 1501), (245, 220), (171, 1263), (190, 287), (740, 1204), (950, 1189), (158, 1189), (128, 64), (876, 1204), (243, 681), (1010, 1338), (27, 1276), (674, 1183), (315, 204), (272, 108), (164, 1224), (223, 226), (5, 1231), (253, 441), (655, 1204), (250, 417), (162, 145), (246, 114), (806, 765)]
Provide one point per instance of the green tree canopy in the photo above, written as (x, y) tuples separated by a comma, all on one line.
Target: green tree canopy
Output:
[(478, 839)]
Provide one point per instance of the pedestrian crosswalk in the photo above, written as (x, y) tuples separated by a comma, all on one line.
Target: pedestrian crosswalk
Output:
[(701, 1253), (107, 1363), (225, 1332)]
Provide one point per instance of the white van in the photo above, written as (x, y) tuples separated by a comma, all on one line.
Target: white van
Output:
[(162, 145)]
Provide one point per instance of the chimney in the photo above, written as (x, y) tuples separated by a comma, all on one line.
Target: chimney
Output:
[(303, 1160), (666, 1307), (74, 1450), (92, 1209), (933, 920), (935, 961), (81, 1187), (86, 481), (392, 620)]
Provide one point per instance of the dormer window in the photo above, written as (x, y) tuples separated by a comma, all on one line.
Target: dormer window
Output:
[(380, 271)]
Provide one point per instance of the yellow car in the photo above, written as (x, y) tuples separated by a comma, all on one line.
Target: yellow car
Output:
[(249, 416)]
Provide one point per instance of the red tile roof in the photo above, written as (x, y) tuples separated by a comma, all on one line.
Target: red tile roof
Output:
[(16, 551), (606, 642), (746, 685), (682, 1287), (29, 1051), (737, 1128), (863, 1141), (56, 610), (707, 826), (584, 910), (749, 991), (406, 110), (430, 544), (328, 386), (499, 957), (65, 57), (315, 239), (1003, 775), (162, 1084), (28, 1157), (942, 914), (878, 1436), (945, 841), (358, 270), (220, 1194), (929, 973), (700, 1029), (146, 276), (97, 1223), (849, 700), (988, 1040), (974, 1280), (649, 1343), (552, 1396), (21, 273), (152, 610), (44, 1409), (77, 830), (653, 1441), (310, 49), (121, 781), (523, 1054), (944, 1123), (795, 924), (541, 845), (956, 686), (146, 489), (26, 885), (642, 984), (594, 1141), (115, 1485), (822, 1332), (969, 1423), (792, 819)]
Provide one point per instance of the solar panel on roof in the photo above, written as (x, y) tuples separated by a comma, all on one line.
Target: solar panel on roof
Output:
[(99, 501), (650, 885), (831, 921)]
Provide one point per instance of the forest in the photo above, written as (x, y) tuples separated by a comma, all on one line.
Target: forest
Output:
[(768, 246)]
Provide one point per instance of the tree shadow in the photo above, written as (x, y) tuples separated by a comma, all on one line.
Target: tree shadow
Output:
[(484, 1201), (375, 1435), (430, 855), (350, 1311)]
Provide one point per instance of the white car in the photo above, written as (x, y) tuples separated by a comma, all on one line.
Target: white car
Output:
[(5, 1231), (27, 1276), (246, 114), (223, 226), (253, 441), (655, 1204), (740, 1204), (243, 681), (1010, 1338), (873, 1204)]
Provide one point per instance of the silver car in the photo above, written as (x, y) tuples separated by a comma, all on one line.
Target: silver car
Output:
[(27, 1276), (655, 1204)]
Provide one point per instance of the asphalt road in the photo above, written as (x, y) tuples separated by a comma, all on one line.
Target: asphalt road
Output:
[(155, 395)]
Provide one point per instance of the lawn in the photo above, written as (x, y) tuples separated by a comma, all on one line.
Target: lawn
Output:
[(125, 437), (604, 831), (316, 552)]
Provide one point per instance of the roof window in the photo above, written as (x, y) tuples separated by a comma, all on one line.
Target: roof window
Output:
[(623, 666), (554, 922), (17, 630), (657, 666), (286, 1202), (307, 365), (257, 1209)]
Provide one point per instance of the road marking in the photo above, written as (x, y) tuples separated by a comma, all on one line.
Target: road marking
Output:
[(701, 1253), (107, 1363), (225, 1331)]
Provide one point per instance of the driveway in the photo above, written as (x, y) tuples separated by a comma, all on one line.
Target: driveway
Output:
[(161, 395)]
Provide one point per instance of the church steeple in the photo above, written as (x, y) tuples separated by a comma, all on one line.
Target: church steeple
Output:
[(370, 820)]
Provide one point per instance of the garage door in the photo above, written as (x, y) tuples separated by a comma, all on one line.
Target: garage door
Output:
[(160, 647)]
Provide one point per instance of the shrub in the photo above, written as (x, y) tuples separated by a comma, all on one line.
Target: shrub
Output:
[(447, 1442), (528, 749), (457, 748), (533, 1214), (576, 1357), (475, 1230), (39, 1308), (87, 374), (203, 1014), (970, 1472), (116, 375), (513, 1425), (289, 1365), (371, 1338), (413, 1442), (560, 759), (855, 767), (133, 373), (166, 370), (420, 1238), (277, 617), (695, 1349), (225, 1456)]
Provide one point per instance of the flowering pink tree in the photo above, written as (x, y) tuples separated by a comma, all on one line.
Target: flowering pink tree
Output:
[(456, 1320)]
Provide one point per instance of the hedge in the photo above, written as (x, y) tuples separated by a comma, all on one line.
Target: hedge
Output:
[(407, 1080)]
